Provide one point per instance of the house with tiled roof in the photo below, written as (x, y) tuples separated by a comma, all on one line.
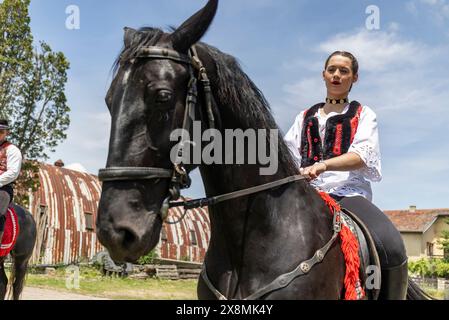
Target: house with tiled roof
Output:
[(421, 230)]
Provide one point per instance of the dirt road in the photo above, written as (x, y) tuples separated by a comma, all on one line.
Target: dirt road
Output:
[(30, 293)]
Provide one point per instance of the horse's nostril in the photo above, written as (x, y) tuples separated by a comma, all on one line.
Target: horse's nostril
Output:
[(128, 237)]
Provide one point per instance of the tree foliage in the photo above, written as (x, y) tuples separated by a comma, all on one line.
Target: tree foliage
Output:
[(32, 92), (429, 268), (15, 49), (444, 242)]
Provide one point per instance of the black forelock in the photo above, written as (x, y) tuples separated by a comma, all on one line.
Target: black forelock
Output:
[(146, 36)]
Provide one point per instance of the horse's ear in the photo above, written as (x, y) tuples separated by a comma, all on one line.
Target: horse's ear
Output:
[(129, 36), (192, 30)]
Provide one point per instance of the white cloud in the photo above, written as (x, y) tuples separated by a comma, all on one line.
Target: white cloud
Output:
[(405, 82), (397, 77), (87, 142), (439, 9), (411, 7), (378, 50), (393, 27)]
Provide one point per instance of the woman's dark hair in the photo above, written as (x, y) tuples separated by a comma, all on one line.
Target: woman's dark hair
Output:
[(355, 63)]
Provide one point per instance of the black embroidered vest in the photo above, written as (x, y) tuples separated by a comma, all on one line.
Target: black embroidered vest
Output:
[(4, 167), (338, 136)]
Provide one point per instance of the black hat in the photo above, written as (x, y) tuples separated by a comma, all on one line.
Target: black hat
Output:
[(4, 125)]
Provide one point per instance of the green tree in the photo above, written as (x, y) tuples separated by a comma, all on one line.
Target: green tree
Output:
[(421, 267), (444, 242), (429, 268), (15, 49), (41, 113), (32, 92)]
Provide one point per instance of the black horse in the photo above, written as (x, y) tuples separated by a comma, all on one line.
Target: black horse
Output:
[(21, 254), (255, 238)]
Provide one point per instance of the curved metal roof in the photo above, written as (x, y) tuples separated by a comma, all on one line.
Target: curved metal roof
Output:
[(65, 209)]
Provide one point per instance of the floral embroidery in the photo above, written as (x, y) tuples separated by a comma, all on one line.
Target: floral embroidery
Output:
[(365, 144)]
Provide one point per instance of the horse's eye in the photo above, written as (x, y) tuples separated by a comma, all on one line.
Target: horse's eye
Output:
[(163, 96)]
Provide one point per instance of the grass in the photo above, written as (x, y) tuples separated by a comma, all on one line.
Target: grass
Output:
[(92, 283), (437, 294)]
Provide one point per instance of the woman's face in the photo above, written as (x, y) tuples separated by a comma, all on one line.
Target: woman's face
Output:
[(339, 77)]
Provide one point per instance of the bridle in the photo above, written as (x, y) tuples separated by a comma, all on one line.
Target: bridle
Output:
[(179, 177)]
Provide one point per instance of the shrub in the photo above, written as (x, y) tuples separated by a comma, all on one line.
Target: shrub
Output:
[(149, 258), (429, 268), (420, 267)]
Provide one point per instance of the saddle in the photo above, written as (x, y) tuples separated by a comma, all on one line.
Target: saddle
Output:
[(11, 232), (367, 254)]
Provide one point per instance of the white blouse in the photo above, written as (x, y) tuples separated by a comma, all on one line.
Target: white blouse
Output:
[(14, 164), (365, 144)]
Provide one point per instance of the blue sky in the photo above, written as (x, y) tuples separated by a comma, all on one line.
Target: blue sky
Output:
[(282, 45)]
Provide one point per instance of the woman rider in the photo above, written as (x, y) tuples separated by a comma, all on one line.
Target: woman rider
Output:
[(337, 145)]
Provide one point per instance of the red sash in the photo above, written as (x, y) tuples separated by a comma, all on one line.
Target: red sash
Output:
[(11, 232)]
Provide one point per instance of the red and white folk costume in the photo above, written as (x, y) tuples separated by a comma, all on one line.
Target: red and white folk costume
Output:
[(316, 137), (10, 163)]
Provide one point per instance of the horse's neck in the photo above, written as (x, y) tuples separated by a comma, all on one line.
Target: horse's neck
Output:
[(222, 179), (249, 234)]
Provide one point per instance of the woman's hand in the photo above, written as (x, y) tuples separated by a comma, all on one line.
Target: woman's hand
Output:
[(313, 171)]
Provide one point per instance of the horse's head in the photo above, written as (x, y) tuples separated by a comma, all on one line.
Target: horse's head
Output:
[(147, 99)]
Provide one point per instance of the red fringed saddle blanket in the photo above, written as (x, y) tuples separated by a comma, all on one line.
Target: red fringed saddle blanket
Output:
[(350, 249), (11, 232)]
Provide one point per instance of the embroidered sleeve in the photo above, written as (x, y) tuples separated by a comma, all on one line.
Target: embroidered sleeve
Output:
[(366, 145), (293, 138), (14, 164)]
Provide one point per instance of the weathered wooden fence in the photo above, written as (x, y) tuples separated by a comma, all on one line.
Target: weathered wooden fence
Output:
[(439, 284)]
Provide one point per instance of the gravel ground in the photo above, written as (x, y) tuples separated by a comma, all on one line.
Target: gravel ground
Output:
[(30, 293)]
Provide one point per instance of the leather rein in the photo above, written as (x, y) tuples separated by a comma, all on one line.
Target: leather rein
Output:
[(179, 177)]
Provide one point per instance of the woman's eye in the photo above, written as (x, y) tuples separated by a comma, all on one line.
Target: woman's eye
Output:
[(163, 96)]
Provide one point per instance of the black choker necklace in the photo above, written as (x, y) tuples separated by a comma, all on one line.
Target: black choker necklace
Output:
[(337, 101)]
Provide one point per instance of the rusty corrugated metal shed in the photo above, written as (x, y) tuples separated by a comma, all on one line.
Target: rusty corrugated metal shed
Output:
[(187, 240), (61, 206), (67, 197)]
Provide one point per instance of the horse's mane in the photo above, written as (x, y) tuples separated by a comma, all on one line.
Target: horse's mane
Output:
[(234, 90)]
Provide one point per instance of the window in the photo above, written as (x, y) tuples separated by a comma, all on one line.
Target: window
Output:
[(193, 238), (163, 234), (430, 249), (42, 210), (89, 221)]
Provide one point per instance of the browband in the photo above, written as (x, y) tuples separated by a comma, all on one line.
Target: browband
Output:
[(163, 53)]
